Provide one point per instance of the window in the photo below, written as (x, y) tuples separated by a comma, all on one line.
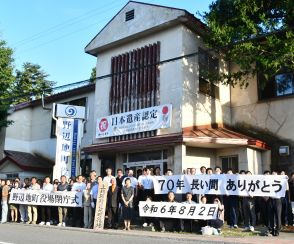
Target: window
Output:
[(230, 162), (208, 69), (279, 85), (86, 165), (130, 15), (78, 102), (147, 156), (53, 128), (12, 176)]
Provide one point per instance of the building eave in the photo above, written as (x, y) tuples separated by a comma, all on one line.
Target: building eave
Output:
[(56, 97)]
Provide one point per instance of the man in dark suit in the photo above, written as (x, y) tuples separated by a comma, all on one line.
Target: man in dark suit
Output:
[(112, 204)]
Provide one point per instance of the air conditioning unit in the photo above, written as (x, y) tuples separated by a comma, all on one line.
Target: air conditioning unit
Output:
[(284, 150)]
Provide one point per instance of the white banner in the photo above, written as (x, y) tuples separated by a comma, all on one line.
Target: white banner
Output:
[(223, 184), (178, 210), (45, 198), (147, 119), (69, 134), (70, 111)]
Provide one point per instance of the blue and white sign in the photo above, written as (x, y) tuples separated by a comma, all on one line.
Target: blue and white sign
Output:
[(69, 133), (70, 111)]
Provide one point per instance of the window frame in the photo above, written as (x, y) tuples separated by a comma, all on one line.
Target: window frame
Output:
[(271, 87), (230, 163), (211, 63)]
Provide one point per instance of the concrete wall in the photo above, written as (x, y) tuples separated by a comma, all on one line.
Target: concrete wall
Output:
[(248, 158), (170, 75), (275, 116), (198, 108), (197, 157), (146, 17)]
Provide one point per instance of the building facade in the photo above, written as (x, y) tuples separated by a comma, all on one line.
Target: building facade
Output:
[(268, 113), (33, 128), (150, 55)]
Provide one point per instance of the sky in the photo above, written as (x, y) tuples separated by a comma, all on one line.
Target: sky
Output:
[(54, 33)]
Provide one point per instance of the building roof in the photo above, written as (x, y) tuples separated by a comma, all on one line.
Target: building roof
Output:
[(28, 161), (216, 136), (149, 18), (56, 97)]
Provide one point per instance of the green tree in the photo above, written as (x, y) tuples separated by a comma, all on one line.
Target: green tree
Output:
[(30, 83), (93, 75), (257, 35), (6, 79)]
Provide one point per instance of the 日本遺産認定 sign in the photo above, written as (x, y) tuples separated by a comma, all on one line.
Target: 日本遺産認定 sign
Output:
[(135, 121)]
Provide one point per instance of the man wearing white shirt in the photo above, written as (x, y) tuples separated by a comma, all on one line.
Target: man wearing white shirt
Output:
[(32, 209), (145, 182), (108, 176), (134, 181), (78, 186), (46, 210)]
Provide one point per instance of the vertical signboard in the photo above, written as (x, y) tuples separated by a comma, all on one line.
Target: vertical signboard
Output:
[(100, 206), (69, 132)]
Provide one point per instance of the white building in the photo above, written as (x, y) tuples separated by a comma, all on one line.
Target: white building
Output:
[(33, 128), (146, 50)]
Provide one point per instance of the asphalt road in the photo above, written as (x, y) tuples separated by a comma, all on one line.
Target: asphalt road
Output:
[(23, 234)]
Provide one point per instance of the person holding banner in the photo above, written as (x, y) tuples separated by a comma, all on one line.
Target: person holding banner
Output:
[(13, 207), (249, 211), (169, 224), (127, 195), (78, 186), (187, 223), (62, 211), (219, 221), (33, 210), (275, 213), (4, 202), (145, 182), (46, 210)]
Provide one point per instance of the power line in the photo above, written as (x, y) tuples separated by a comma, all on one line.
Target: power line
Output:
[(66, 23), (61, 37), (11, 99)]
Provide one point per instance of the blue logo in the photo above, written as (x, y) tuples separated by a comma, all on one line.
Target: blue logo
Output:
[(70, 111)]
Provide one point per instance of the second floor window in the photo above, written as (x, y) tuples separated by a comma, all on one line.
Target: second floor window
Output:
[(279, 85), (208, 72)]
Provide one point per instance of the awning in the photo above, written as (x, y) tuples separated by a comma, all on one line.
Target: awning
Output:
[(219, 137), (134, 144), (203, 136)]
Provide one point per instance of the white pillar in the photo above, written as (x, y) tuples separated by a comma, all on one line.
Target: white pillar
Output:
[(179, 157)]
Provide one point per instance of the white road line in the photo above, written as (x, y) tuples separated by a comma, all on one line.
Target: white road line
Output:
[(2, 242)]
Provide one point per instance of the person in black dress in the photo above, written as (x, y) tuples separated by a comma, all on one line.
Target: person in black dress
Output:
[(127, 195)]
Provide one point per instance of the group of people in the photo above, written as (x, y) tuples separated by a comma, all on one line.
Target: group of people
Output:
[(123, 196)]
